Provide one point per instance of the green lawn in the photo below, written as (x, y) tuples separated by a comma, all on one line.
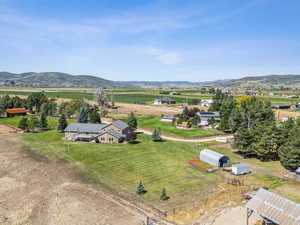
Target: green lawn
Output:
[(14, 121), (122, 166), (167, 128)]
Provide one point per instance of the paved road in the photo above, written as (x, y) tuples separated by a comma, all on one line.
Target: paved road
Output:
[(204, 139)]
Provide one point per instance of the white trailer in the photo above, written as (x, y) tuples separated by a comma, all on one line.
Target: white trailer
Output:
[(240, 169)]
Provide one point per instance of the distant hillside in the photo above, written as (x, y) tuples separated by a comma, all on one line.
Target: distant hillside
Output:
[(163, 83), (55, 79), (269, 81)]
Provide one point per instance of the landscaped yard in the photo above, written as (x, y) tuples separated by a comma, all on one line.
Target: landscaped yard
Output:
[(122, 166), (167, 128)]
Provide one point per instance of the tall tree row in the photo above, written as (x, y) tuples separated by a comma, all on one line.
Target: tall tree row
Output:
[(256, 133)]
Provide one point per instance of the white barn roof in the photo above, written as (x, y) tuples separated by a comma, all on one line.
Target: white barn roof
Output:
[(211, 157), (275, 208)]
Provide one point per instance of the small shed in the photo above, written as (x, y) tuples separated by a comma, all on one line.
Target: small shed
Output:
[(214, 158), (240, 169), (298, 171), (16, 112)]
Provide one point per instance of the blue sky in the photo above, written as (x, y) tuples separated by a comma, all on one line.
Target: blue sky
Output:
[(194, 40)]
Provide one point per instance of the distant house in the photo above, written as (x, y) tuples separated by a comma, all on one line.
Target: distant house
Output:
[(213, 158), (206, 102), (16, 112), (167, 118), (240, 169), (206, 116), (164, 100), (175, 93), (114, 132)]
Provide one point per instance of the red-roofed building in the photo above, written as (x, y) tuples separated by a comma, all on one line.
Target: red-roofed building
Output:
[(16, 112)]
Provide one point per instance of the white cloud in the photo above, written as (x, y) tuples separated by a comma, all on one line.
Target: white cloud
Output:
[(163, 56)]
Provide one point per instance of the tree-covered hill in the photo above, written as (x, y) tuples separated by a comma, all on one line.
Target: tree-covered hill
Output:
[(55, 79)]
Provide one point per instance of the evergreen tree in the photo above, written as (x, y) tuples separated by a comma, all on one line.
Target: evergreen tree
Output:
[(268, 142), (243, 139), (140, 189), (163, 195), (156, 135), (195, 120), (43, 121), (62, 123), (289, 153), (84, 115), (132, 122), (33, 123), (94, 116), (226, 109), (23, 124)]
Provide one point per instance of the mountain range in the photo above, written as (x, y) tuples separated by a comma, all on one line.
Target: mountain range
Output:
[(56, 79), (265, 81)]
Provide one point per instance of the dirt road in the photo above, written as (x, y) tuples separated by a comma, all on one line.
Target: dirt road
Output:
[(39, 192), (196, 140)]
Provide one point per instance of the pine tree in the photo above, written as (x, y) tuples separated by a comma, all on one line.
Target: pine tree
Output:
[(290, 157), (94, 116), (140, 189), (84, 116), (163, 195), (156, 135), (132, 122), (23, 124), (62, 123), (43, 121), (33, 123), (196, 120)]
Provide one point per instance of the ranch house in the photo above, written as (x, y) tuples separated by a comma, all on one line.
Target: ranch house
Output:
[(164, 100), (114, 132)]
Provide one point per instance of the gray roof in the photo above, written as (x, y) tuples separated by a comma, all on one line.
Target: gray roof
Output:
[(275, 208), (212, 154), (120, 124), (113, 133), (209, 114), (242, 166), (85, 128), (212, 157)]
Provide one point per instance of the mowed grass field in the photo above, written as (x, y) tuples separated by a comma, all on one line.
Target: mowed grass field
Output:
[(152, 122), (122, 166)]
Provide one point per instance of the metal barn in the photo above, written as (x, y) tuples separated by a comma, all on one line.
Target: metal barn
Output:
[(240, 169), (213, 158), (273, 209)]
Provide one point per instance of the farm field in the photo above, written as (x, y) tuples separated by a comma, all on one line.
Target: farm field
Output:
[(167, 128), (118, 96)]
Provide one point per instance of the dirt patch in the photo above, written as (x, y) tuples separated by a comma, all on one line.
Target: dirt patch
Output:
[(35, 192)]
